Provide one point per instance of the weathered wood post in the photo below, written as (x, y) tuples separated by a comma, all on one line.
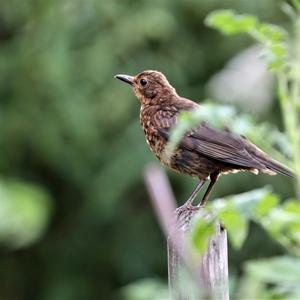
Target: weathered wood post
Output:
[(207, 277), (209, 272)]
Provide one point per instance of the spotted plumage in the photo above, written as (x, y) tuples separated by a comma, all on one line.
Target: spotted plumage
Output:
[(203, 152)]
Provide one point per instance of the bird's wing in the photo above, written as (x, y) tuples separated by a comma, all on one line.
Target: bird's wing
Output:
[(222, 146), (219, 145)]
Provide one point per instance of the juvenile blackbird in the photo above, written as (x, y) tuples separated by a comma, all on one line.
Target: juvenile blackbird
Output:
[(203, 152)]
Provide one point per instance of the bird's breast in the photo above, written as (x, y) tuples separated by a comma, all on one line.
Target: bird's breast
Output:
[(154, 140)]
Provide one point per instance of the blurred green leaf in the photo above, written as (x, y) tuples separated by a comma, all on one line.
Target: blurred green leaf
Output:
[(284, 227), (296, 4), (272, 278), (202, 230), (146, 289), (236, 225), (228, 22), (271, 36), (25, 211), (292, 206), (236, 212), (271, 270), (266, 204), (271, 32)]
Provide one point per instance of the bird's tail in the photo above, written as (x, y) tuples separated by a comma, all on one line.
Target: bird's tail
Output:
[(277, 167), (271, 166)]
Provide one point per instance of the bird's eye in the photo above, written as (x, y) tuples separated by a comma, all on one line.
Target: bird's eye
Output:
[(143, 82)]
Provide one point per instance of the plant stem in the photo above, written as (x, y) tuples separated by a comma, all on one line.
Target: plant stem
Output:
[(289, 95)]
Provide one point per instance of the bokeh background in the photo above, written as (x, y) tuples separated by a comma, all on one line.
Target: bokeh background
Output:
[(75, 218)]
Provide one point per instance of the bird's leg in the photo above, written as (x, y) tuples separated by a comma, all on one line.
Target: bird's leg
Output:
[(213, 180), (188, 203)]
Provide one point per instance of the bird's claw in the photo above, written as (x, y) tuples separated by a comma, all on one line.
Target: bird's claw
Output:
[(185, 208)]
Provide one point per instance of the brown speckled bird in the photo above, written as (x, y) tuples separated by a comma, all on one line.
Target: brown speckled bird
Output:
[(203, 152)]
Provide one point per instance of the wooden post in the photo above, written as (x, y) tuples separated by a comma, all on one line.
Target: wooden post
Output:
[(209, 272), (207, 277)]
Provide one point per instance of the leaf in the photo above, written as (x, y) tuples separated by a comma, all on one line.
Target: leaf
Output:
[(24, 213), (228, 22), (266, 204), (296, 3), (277, 276), (236, 212), (236, 225), (278, 270), (275, 56), (272, 32), (271, 36), (145, 289), (246, 203), (202, 231), (292, 206), (284, 226)]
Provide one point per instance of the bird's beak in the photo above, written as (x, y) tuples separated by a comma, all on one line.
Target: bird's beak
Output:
[(126, 78)]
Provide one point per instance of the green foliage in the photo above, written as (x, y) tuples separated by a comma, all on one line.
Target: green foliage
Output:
[(145, 289), (202, 231), (275, 278), (281, 222), (280, 274), (236, 225), (230, 23), (24, 213), (271, 36), (296, 4), (282, 57), (262, 206), (69, 129)]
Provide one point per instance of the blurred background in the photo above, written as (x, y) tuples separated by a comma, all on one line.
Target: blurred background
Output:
[(75, 218)]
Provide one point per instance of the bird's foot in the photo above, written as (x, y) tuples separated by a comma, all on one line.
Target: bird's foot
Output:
[(184, 214), (187, 207)]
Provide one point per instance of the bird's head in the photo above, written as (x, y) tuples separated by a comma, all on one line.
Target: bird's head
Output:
[(151, 87)]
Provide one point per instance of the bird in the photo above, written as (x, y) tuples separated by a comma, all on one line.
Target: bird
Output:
[(203, 152)]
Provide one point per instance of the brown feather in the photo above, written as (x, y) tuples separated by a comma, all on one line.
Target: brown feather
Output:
[(203, 152)]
